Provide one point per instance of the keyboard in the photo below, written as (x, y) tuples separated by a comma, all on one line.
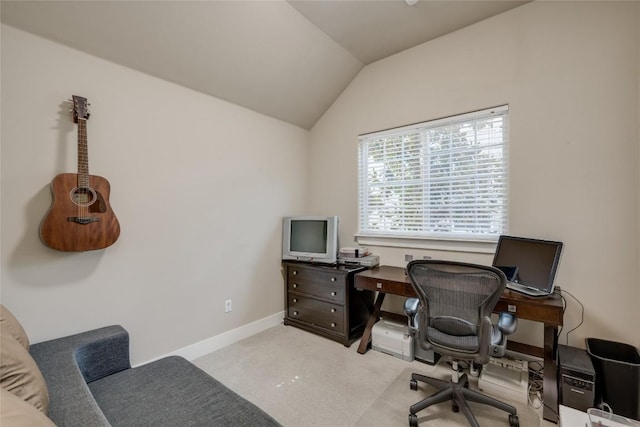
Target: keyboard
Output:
[(526, 290)]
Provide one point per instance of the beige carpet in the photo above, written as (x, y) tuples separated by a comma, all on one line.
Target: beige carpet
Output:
[(302, 379)]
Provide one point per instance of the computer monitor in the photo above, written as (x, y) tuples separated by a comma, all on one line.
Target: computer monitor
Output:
[(530, 262)]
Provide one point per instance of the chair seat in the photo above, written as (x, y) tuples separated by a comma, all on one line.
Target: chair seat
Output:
[(459, 343)]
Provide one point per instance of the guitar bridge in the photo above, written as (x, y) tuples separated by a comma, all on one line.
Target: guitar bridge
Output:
[(82, 220)]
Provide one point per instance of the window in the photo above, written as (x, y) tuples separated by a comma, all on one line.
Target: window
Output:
[(444, 179)]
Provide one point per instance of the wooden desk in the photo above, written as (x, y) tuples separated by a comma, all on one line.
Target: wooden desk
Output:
[(549, 311)]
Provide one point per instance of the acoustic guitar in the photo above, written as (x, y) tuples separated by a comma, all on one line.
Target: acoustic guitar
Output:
[(80, 217)]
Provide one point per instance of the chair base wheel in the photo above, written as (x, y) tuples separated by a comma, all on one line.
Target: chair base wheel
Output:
[(413, 384), (413, 420), (514, 421)]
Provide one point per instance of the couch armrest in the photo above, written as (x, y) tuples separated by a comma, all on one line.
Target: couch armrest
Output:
[(69, 363)]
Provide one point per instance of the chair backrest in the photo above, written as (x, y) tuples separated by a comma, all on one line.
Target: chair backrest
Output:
[(457, 301)]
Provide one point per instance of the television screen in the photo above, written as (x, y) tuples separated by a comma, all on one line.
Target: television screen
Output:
[(308, 236)]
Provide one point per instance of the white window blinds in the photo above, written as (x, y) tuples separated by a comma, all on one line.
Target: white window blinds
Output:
[(443, 179)]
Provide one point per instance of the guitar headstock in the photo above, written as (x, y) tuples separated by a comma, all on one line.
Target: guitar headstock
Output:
[(80, 108)]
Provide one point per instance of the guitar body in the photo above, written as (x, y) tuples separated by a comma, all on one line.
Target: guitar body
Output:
[(80, 217)]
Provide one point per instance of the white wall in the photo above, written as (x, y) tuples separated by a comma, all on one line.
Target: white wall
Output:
[(569, 72), (199, 186)]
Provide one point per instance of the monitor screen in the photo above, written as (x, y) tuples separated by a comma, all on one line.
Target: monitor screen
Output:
[(308, 236), (530, 262)]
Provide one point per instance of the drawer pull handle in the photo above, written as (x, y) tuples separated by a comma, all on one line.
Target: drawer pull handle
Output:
[(333, 279), (295, 272), (333, 325), (295, 300), (295, 313), (295, 285), (379, 285), (333, 294), (333, 310)]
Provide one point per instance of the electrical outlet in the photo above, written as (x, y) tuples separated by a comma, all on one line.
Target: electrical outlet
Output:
[(227, 306)]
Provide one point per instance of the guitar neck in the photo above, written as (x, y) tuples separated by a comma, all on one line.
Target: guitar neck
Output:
[(83, 155)]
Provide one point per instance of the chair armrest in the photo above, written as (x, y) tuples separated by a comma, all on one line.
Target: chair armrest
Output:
[(69, 363), (507, 323), (411, 307)]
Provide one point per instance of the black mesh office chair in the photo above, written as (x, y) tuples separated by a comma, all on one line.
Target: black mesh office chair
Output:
[(453, 318)]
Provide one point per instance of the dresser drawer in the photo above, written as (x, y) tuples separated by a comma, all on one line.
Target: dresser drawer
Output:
[(305, 274), (326, 285), (319, 313)]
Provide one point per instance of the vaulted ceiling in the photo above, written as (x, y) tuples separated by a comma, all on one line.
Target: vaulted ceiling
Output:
[(286, 59)]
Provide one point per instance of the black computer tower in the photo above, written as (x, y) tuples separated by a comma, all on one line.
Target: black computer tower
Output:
[(576, 378)]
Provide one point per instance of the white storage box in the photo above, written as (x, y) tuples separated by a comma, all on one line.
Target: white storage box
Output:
[(392, 338)]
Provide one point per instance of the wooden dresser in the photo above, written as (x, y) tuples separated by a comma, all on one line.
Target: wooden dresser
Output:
[(323, 300)]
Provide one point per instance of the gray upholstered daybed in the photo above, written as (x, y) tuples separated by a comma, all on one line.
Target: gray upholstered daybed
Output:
[(90, 382)]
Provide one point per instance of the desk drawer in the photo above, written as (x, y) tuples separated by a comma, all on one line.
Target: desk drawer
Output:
[(546, 314), (385, 286), (322, 314)]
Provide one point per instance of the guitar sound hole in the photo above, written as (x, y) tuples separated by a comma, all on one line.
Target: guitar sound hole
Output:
[(83, 196)]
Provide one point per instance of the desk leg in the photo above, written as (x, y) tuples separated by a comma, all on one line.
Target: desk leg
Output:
[(550, 383), (373, 318)]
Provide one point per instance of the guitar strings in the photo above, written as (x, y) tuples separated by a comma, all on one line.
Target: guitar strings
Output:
[(83, 169)]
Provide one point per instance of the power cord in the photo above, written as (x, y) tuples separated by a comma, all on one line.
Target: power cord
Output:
[(564, 308), (536, 380), (581, 314), (536, 401)]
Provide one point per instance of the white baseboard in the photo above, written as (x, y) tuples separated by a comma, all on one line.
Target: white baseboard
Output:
[(224, 339)]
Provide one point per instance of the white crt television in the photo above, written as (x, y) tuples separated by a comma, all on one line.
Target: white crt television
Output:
[(310, 238)]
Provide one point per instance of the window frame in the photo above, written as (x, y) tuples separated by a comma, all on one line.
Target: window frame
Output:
[(481, 242)]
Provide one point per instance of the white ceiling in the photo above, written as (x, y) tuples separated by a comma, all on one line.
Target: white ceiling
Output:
[(286, 59)]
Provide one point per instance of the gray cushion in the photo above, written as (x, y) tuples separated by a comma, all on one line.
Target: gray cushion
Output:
[(173, 392)]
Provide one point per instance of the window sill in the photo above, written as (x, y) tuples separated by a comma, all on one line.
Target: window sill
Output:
[(472, 246)]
